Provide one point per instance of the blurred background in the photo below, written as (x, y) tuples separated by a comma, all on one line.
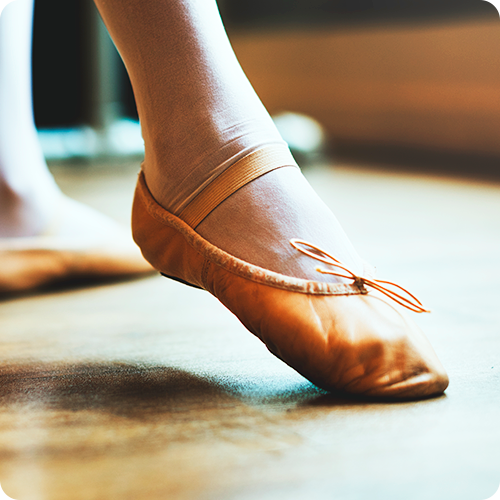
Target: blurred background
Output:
[(385, 79)]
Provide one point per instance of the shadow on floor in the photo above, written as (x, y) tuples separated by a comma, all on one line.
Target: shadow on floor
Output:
[(142, 392), (74, 283)]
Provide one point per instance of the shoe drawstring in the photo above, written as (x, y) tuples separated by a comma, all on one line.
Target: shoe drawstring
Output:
[(407, 300)]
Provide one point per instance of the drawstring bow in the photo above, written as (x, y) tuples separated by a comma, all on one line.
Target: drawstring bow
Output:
[(405, 299)]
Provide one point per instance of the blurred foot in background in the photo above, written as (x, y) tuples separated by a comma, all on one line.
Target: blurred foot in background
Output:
[(45, 237)]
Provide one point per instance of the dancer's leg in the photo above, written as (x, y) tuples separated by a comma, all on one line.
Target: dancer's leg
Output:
[(44, 236), (28, 193), (199, 114)]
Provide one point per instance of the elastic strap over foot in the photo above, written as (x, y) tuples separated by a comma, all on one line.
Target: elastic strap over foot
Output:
[(239, 174)]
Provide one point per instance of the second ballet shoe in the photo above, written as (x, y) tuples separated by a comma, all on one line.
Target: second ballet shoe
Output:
[(83, 245)]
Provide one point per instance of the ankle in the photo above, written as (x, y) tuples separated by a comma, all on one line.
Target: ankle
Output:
[(177, 171)]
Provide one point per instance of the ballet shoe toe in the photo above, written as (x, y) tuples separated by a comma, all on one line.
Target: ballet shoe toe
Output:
[(380, 352), (356, 344)]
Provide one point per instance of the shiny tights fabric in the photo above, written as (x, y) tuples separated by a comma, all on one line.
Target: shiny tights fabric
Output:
[(199, 113)]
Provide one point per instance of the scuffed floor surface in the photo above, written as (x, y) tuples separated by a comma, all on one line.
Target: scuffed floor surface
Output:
[(152, 390)]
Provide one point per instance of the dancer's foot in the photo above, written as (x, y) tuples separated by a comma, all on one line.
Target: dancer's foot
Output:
[(79, 244), (335, 335)]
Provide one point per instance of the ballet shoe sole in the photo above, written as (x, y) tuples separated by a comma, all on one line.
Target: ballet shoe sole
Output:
[(35, 263)]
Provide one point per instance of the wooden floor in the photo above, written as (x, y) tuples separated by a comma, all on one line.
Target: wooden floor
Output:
[(152, 390)]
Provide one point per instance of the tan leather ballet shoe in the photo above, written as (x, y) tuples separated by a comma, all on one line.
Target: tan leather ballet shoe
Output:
[(102, 250), (338, 335)]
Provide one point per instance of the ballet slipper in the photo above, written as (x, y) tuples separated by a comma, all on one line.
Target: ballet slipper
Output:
[(340, 336), (82, 245)]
